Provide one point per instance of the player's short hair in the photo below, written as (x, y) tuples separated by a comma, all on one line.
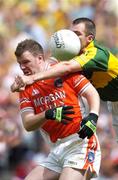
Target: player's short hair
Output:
[(28, 45), (89, 25)]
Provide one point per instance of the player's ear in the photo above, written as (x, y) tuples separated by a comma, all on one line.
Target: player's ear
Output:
[(90, 38), (41, 57)]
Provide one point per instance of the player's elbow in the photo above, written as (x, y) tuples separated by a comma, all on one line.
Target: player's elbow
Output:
[(28, 126)]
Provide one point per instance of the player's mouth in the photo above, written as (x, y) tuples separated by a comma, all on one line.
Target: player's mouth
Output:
[(27, 73)]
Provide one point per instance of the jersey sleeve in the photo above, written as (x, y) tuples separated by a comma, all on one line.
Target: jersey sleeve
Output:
[(79, 83), (25, 102), (95, 58)]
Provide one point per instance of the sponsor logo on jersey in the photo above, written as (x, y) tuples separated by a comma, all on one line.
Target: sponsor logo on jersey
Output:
[(35, 92), (52, 97)]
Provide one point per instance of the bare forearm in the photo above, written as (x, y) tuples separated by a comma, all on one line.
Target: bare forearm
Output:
[(56, 71), (60, 69), (33, 122), (93, 99)]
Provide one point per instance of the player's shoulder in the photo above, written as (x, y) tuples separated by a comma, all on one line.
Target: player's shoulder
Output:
[(71, 77), (101, 47), (97, 50), (77, 80)]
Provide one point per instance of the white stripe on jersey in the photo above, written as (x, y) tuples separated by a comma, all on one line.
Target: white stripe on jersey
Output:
[(84, 88), (27, 109), (24, 100), (79, 82)]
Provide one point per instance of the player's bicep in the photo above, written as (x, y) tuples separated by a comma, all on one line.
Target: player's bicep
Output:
[(26, 116), (92, 98), (89, 91)]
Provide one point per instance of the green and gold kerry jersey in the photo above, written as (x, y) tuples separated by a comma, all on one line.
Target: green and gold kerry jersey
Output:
[(100, 66)]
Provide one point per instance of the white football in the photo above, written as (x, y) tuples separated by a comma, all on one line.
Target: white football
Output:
[(64, 44)]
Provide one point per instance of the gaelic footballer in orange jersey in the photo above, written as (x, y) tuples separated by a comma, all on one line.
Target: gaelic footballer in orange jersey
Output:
[(74, 146)]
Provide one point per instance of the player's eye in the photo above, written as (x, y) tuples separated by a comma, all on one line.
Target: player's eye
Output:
[(77, 33)]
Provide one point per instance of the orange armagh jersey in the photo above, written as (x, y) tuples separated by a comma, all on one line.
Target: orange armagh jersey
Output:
[(43, 95)]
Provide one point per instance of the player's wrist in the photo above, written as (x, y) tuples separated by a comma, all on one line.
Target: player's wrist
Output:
[(58, 116), (92, 121), (88, 126), (91, 125), (54, 114), (50, 114), (94, 112), (93, 116)]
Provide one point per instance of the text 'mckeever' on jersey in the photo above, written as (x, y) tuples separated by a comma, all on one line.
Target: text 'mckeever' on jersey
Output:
[(101, 68), (43, 95)]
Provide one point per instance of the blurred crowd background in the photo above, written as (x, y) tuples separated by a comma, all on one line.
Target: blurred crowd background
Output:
[(20, 151)]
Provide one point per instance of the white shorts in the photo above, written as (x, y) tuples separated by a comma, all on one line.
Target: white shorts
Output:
[(74, 152), (113, 108)]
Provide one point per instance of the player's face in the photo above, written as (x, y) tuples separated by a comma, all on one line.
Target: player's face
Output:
[(30, 64), (80, 30)]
